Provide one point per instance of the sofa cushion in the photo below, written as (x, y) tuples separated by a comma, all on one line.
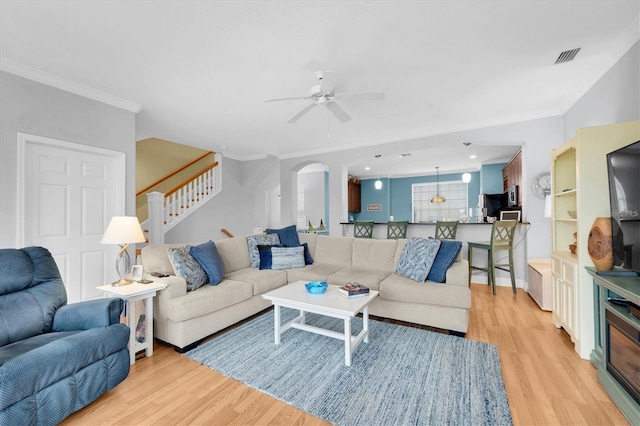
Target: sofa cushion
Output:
[(208, 299), (288, 236), (287, 257), (374, 253), (235, 253), (316, 272), (262, 281), (253, 241), (207, 256), (333, 250), (310, 239), (187, 267), (447, 254), (398, 288), (156, 259), (417, 258), (368, 277)]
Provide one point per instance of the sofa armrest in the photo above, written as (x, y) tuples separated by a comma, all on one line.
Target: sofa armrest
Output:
[(458, 273), (88, 314), (176, 287)]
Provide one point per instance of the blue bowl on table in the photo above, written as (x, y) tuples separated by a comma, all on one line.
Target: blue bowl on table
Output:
[(316, 287)]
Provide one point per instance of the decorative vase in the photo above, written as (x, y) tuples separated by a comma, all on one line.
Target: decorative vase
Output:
[(310, 227), (600, 244)]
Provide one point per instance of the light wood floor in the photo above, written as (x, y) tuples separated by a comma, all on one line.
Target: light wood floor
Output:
[(547, 383)]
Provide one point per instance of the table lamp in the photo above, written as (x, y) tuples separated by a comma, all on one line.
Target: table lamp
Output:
[(123, 230)]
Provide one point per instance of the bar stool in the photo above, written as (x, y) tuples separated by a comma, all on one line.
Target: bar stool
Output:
[(363, 229), (501, 239), (397, 229), (446, 230)]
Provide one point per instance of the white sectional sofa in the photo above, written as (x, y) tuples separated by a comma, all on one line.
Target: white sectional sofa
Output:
[(183, 319)]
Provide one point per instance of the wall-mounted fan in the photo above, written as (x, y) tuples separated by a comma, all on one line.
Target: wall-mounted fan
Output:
[(323, 94)]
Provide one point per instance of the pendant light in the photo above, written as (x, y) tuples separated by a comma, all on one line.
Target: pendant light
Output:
[(438, 198), (378, 184), (466, 176)]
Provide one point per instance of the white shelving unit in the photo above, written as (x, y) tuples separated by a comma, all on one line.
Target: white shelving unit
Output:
[(579, 183)]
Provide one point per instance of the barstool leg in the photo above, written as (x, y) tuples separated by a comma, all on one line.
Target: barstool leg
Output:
[(469, 256), (492, 271), (512, 272)]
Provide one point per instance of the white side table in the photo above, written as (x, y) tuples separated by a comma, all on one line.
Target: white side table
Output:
[(130, 294)]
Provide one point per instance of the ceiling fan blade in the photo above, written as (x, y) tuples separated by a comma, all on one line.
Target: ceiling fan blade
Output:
[(300, 113), (288, 99), (363, 96), (338, 112)]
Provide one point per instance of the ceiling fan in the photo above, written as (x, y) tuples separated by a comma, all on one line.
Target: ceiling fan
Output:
[(323, 94)]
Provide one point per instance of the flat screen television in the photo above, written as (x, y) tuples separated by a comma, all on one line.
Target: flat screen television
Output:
[(623, 167)]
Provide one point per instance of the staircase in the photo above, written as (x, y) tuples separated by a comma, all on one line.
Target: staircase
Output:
[(167, 210)]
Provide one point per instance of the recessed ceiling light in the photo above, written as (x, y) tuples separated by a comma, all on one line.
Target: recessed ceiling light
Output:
[(472, 156), (367, 168)]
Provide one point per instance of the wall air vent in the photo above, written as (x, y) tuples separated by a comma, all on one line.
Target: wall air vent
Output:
[(567, 56)]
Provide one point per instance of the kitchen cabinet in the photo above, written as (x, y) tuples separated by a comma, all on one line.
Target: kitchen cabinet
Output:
[(512, 175), (354, 195)]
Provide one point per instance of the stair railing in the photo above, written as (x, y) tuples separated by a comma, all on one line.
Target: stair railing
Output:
[(169, 209)]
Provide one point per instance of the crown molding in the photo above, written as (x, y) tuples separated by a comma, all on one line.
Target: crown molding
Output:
[(34, 74)]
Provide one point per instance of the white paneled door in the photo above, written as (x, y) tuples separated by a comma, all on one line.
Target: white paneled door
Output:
[(68, 193)]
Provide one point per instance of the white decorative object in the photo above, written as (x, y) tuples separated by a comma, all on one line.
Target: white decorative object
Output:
[(541, 185)]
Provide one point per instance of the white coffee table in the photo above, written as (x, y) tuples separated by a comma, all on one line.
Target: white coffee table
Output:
[(331, 304)]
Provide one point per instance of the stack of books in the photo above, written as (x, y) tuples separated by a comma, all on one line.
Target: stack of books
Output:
[(353, 290)]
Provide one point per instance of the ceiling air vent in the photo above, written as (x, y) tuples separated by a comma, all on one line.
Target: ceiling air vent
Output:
[(567, 56), (408, 154)]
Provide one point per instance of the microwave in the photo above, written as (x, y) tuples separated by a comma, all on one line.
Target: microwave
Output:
[(512, 196)]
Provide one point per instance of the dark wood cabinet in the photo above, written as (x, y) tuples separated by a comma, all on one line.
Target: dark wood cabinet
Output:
[(354, 195), (512, 175)]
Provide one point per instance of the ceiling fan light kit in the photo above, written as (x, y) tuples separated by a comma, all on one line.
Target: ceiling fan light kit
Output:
[(324, 94)]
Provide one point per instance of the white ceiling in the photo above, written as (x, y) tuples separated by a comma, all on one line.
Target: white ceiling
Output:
[(201, 70)]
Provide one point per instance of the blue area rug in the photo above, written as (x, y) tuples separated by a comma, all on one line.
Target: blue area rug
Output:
[(403, 376)]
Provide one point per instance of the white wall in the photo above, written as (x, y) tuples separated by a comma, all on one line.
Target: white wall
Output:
[(38, 109), (615, 98), (313, 183)]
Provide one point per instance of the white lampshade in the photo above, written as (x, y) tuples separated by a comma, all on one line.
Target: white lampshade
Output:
[(547, 206), (466, 177), (123, 230), (378, 184)]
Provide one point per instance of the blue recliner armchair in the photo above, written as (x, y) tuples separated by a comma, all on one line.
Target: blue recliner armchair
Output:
[(54, 358)]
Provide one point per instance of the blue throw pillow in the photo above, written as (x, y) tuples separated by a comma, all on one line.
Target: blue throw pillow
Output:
[(447, 254), (186, 266), (260, 239), (207, 256), (417, 258), (265, 255), (308, 260), (287, 257), (288, 236)]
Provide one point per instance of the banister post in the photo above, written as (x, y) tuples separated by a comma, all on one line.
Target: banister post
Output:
[(155, 203)]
